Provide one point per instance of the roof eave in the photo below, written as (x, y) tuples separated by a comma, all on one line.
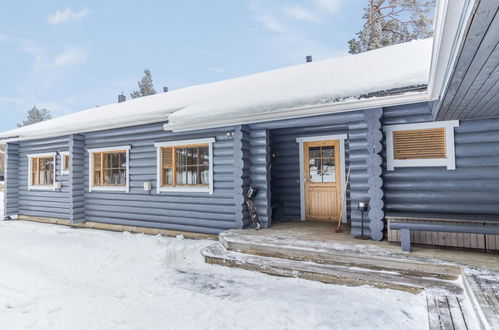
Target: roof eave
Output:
[(451, 21), (290, 113)]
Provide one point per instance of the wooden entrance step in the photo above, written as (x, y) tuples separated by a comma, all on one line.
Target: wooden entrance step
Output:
[(323, 272), (446, 311), (330, 253), (483, 289)]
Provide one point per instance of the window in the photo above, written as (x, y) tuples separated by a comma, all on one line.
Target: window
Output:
[(422, 144), (185, 165), (109, 168), (41, 171), (64, 162)]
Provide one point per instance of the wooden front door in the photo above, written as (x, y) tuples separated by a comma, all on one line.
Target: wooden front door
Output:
[(322, 181)]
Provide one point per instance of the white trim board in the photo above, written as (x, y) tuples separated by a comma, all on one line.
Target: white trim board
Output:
[(449, 161), (341, 138), (91, 187), (180, 143)]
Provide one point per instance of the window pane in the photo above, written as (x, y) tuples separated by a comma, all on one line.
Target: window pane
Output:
[(167, 176), (204, 157), (314, 152), (191, 166), (113, 167), (328, 170), (204, 174), (122, 158), (315, 170), (327, 151), (66, 162), (181, 175)]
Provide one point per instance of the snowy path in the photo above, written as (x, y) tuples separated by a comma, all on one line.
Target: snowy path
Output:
[(54, 277)]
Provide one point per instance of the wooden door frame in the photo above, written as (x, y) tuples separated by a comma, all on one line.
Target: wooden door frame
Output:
[(341, 138)]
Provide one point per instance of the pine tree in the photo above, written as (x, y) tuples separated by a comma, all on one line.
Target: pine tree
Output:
[(390, 22), (146, 86), (35, 115)]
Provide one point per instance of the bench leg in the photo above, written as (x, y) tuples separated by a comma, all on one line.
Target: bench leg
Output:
[(405, 240)]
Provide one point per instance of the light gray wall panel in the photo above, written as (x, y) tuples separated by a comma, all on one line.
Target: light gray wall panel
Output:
[(199, 212), (43, 203), (11, 187), (471, 190)]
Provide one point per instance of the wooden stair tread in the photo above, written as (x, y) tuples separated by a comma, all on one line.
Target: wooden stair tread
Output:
[(333, 253), (328, 273), (483, 290)]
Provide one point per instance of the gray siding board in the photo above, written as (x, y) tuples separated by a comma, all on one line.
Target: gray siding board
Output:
[(199, 212), (470, 190), (46, 203), (11, 189)]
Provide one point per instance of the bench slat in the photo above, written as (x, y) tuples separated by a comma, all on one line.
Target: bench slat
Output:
[(473, 229)]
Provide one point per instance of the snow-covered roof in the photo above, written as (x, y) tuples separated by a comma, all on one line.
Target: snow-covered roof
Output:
[(337, 84)]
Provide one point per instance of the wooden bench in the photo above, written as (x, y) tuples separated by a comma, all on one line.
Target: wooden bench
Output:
[(406, 227)]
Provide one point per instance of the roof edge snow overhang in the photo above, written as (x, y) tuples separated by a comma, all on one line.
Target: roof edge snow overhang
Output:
[(290, 113), (452, 18), (48, 135)]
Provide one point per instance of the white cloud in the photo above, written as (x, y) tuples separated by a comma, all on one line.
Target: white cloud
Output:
[(67, 15), (216, 69), (300, 13), (271, 23), (331, 6), (68, 57)]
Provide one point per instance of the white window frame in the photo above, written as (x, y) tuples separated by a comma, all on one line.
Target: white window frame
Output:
[(91, 187), (30, 167), (449, 161), (63, 162), (180, 143), (341, 138)]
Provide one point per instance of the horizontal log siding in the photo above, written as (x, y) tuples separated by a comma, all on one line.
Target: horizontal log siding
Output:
[(285, 175), (472, 189), (11, 187), (43, 203), (186, 211)]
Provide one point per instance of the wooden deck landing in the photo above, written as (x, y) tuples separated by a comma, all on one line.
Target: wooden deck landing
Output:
[(313, 251)]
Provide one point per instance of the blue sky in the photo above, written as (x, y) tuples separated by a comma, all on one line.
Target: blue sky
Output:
[(69, 56)]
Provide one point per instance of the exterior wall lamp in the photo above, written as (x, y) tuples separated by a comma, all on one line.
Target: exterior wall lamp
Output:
[(362, 207)]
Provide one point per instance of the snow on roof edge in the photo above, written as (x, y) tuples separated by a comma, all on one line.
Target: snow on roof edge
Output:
[(307, 86)]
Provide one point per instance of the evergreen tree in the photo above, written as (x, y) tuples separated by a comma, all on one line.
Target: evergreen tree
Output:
[(35, 115), (390, 22), (146, 86)]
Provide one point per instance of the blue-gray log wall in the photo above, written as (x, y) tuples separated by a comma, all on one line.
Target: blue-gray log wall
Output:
[(282, 186), (187, 211), (43, 203), (470, 191), (11, 188)]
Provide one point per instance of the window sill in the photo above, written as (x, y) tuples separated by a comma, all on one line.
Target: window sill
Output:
[(109, 188), (434, 162), (186, 189), (65, 173), (50, 187)]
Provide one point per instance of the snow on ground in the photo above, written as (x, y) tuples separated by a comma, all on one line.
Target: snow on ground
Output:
[(54, 277)]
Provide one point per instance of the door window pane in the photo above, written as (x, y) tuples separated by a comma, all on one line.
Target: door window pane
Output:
[(322, 164)]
